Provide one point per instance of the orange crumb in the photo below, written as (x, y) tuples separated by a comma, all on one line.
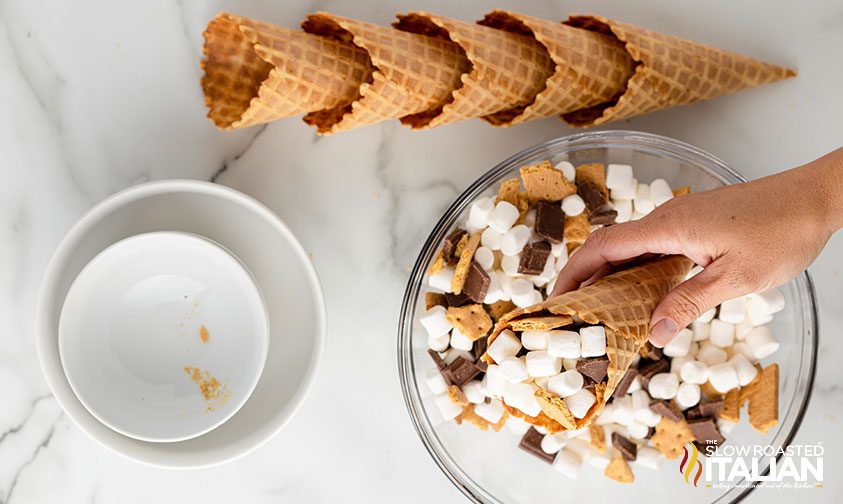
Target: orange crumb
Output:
[(203, 334), (215, 393)]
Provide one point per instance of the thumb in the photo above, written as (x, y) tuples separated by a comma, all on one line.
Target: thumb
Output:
[(690, 299)]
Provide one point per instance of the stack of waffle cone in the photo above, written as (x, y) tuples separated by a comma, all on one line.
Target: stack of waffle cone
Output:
[(623, 303)]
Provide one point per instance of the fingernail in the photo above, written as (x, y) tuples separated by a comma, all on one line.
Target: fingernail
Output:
[(663, 332)]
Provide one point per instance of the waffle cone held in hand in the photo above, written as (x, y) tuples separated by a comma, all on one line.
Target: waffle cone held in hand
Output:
[(623, 302)]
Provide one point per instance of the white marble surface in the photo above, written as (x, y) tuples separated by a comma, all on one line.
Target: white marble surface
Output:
[(97, 96)]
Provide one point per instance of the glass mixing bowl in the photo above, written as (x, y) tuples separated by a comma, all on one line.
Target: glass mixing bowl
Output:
[(489, 466)]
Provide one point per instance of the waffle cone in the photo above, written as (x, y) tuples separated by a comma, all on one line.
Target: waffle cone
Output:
[(590, 68), (256, 72), (670, 71), (412, 73), (508, 70)]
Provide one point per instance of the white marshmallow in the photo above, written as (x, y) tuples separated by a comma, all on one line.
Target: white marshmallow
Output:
[(580, 402), (506, 284), (523, 293), (743, 349), (622, 413), (761, 342), (442, 279), (560, 263), (509, 265), (711, 354), (680, 344), (503, 216), (515, 369), (569, 364), (660, 191), (559, 249), (566, 384), (707, 316), (663, 386), (695, 347), (454, 354), (552, 443), (568, 464), (516, 426), (599, 460), (676, 363), (625, 193), (540, 363), (520, 396), (541, 381), (649, 457), (485, 257), (688, 395), (624, 209), (473, 391), (514, 240), (725, 427), (770, 301), (534, 340), (495, 383), (638, 430), (607, 416), (448, 409), (550, 285), (640, 403), (505, 345), (567, 169), (460, 341), (529, 219), (722, 333), (650, 419), (694, 372), (746, 371), (701, 330), (593, 341), (732, 311), (643, 202), (439, 343), (573, 205), (491, 411), (435, 381), (478, 214), (634, 385), (579, 442), (756, 311), (491, 239), (742, 329), (723, 377), (495, 292), (564, 344), (619, 176)]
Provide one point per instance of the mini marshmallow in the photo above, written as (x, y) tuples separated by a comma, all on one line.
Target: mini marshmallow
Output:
[(607, 416), (695, 347), (448, 409), (625, 193), (623, 410), (742, 348), (503, 216), (624, 209), (569, 364), (559, 249), (732, 311), (550, 285), (643, 202), (473, 391), (619, 176), (460, 341), (540, 363), (694, 372), (746, 371), (516, 426), (514, 240), (725, 427), (688, 395), (495, 383), (638, 430), (635, 385), (640, 402), (435, 381), (541, 381), (515, 369), (439, 343), (534, 340), (680, 344), (723, 377), (509, 265), (701, 330), (564, 344), (478, 214), (491, 411), (707, 316), (663, 386), (761, 342), (568, 464), (566, 384), (560, 263), (722, 333), (770, 301), (742, 329), (676, 363), (756, 311), (573, 205), (599, 460), (580, 402), (505, 345), (711, 354), (579, 442), (491, 239), (495, 292), (567, 169), (649, 457), (593, 341), (441, 280), (520, 396), (552, 443), (660, 191), (650, 419), (523, 293), (529, 219), (485, 257)]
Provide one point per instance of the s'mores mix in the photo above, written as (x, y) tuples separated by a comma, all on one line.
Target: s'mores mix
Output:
[(574, 374)]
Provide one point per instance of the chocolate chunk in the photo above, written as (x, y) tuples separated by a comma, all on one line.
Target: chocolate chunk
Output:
[(706, 408), (628, 449), (592, 196), (625, 382), (594, 367), (648, 351), (667, 410), (534, 258), (461, 371), (603, 218), (651, 369), (550, 222), (705, 431), (479, 348), (437, 359), (477, 282), (650, 432), (449, 246), (532, 443), (457, 300)]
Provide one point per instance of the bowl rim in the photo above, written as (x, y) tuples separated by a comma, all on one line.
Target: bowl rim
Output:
[(87, 222), (669, 145)]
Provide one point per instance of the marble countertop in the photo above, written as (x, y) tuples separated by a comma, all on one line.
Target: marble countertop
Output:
[(98, 96)]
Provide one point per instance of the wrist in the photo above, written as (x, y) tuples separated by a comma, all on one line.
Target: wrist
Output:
[(824, 178)]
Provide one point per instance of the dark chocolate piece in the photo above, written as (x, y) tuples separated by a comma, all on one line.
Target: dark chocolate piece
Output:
[(477, 282), (595, 368), (449, 246), (550, 222), (461, 371), (534, 258), (603, 218), (437, 359), (592, 196), (625, 382), (479, 348), (457, 300), (628, 449), (705, 431), (667, 410), (532, 443), (651, 369), (648, 351), (706, 408)]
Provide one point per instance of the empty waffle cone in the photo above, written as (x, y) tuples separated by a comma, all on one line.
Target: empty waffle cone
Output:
[(256, 72), (508, 70), (670, 71), (412, 73), (623, 303)]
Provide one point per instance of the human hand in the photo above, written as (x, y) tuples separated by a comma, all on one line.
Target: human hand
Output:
[(748, 237)]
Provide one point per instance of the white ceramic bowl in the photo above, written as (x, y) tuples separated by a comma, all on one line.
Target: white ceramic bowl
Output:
[(281, 269), (163, 336)]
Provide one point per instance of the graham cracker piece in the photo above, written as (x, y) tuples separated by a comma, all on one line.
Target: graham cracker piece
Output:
[(543, 182), (466, 253), (593, 174), (731, 411), (432, 299), (619, 470), (437, 264), (498, 255), (747, 390), (670, 437), (554, 407), (523, 206), (682, 191), (471, 320), (456, 395), (500, 308), (764, 400), (508, 191), (541, 323), (709, 391), (541, 420), (576, 230), (598, 437)]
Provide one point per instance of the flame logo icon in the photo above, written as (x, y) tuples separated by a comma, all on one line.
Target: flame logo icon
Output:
[(686, 467)]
